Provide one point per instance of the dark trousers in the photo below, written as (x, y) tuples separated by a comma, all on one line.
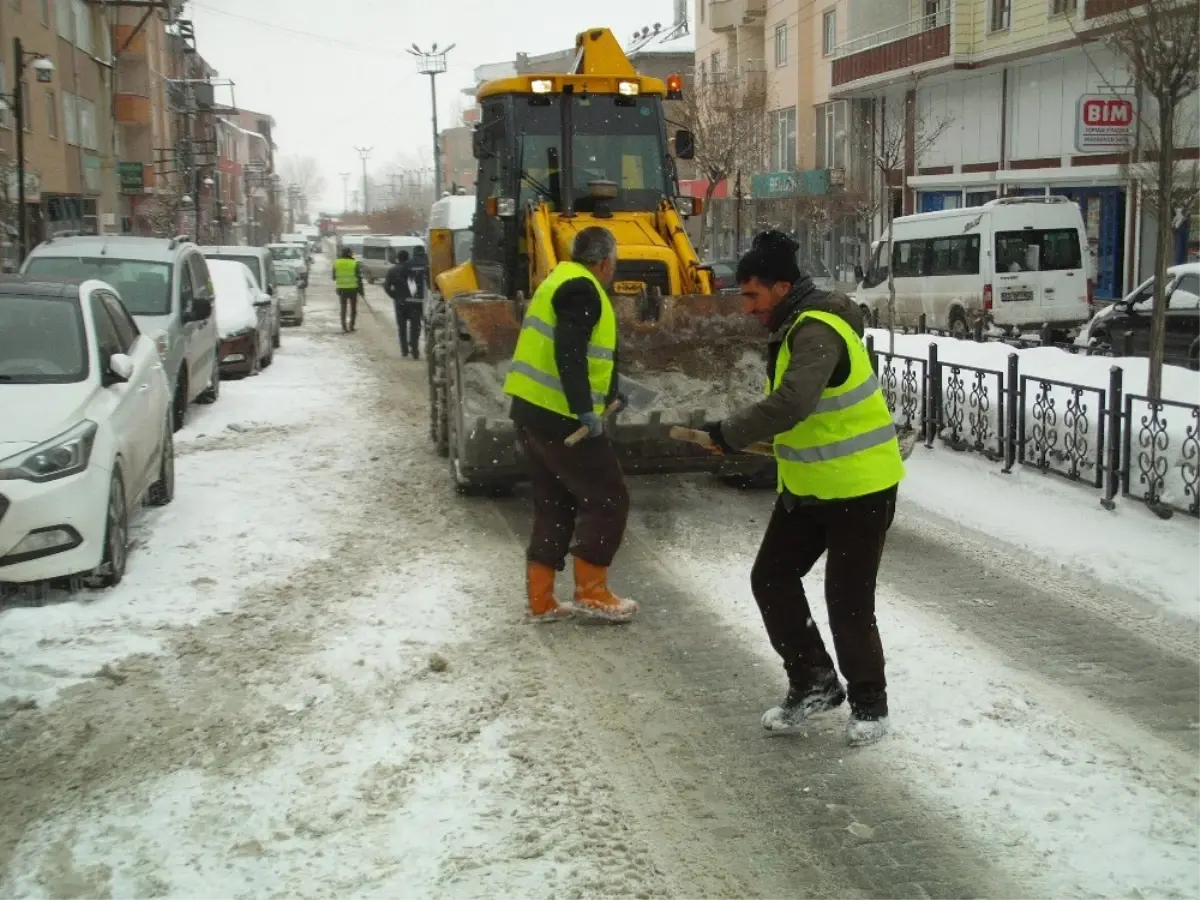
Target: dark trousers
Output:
[(578, 492), (408, 323), (851, 533), (348, 298)]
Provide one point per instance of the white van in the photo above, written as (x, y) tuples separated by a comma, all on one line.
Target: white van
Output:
[(379, 253), (1017, 263)]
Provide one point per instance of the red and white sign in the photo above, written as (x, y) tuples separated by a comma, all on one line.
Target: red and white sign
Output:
[(1103, 123)]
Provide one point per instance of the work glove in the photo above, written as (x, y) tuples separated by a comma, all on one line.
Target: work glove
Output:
[(595, 424), (720, 445)]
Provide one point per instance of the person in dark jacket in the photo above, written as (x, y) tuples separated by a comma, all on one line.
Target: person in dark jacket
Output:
[(839, 467), (563, 376), (404, 284)]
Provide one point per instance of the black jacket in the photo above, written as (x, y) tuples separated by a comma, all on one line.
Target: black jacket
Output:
[(395, 283), (576, 311)]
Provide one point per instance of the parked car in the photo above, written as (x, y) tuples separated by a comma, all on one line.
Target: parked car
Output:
[(291, 255), (85, 430), (257, 259), (1133, 314), (246, 320), (724, 272), (165, 285), (1017, 263), (291, 296)]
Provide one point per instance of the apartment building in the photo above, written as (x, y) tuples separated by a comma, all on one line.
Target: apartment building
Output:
[(69, 134), (991, 97)]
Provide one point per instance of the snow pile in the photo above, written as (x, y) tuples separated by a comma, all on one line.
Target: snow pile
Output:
[(234, 302)]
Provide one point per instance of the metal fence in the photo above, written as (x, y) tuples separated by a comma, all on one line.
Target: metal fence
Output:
[(1119, 444)]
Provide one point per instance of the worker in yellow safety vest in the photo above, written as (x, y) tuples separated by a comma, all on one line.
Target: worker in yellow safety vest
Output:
[(839, 465), (348, 280), (563, 378)]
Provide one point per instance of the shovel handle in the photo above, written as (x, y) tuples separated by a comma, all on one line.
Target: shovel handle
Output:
[(701, 439), (580, 433)]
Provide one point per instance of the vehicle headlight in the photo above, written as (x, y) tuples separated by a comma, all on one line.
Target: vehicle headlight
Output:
[(163, 343), (58, 457)]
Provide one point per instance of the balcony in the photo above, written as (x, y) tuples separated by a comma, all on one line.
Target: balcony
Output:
[(752, 86), (726, 15), (132, 109), (920, 40)]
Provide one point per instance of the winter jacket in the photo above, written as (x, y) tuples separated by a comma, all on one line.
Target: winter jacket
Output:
[(577, 310), (395, 283), (819, 359)]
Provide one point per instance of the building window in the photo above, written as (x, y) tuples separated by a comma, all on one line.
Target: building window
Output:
[(1062, 7), (65, 16), (783, 140), (714, 63), (45, 12), (51, 115), (27, 107), (831, 135), (703, 8), (829, 32), (703, 73), (70, 122), (1001, 15), (781, 31)]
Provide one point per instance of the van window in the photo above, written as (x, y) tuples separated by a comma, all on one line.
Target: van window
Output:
[(1186, 294), (1034, 250), (908, 259), (369, 252), (955, 255)]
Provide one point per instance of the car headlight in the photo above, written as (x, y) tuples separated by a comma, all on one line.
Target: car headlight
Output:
[(58, 457), (163, 343)]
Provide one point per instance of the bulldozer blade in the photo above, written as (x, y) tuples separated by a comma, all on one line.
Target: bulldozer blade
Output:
[(638, 395)]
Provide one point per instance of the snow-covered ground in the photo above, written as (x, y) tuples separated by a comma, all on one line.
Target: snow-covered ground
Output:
[(317, 681)]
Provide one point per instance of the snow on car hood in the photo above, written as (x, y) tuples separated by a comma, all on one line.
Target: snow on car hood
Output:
[(32, 413), (234, 303)]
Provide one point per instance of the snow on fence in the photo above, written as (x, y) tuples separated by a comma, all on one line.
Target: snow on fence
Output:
[(1079, 417)]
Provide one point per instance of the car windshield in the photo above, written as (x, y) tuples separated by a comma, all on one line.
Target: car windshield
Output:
[(144, 287), (613, 140), (42, 340), (249, 262), (290, 252), (284, 275)]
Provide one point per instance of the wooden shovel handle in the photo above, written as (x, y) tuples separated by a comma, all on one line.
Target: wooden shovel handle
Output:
[(701, 439), (580, 433)]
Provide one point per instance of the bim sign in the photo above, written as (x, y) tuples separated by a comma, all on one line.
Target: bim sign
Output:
[(1103, 123)]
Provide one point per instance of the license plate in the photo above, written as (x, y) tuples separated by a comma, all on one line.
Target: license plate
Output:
[(1016, 297), (628, 287)]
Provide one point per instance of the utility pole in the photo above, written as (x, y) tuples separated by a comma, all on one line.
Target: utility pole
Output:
[(433, 64), (345, 176), (364, 153), (44, 69), (737, 214)]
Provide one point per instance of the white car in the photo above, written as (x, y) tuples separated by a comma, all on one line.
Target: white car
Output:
[(85, 431), (290, 295)]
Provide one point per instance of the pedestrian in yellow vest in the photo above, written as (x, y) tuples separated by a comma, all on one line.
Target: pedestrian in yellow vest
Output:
[(839, 467), (348, 280), (562, 376)]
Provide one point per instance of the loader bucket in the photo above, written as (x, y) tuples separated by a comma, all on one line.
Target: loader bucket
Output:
[(700, 354)]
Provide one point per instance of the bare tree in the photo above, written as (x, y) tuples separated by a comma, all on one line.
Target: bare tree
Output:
[(305, 173), (887, 146), (1159, 43), (727, 117)]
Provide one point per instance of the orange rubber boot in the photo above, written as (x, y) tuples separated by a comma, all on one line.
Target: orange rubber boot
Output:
[(539, 584), (593, 598)]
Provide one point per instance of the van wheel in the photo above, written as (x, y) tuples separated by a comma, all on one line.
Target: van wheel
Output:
[(211, 393), (958, 325)]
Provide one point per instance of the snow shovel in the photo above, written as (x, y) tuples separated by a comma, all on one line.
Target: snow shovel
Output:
[(908, 440), (638, 396)]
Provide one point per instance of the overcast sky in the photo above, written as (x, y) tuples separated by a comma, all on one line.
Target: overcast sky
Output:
[(334, 73)]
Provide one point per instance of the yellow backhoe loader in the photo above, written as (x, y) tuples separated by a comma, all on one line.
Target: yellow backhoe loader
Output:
[(557, 153)]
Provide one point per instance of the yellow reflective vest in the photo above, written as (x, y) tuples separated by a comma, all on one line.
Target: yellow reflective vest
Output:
[(847, 447), (345, 274), (533, 373)]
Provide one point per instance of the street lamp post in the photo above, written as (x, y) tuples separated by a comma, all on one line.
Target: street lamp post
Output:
[(433, 64), (364, 153), (44, 70), (345, 176)]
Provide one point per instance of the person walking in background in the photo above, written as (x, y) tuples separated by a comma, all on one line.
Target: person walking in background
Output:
[(348, 280), (563, 376), (403, 285), (839, 465)]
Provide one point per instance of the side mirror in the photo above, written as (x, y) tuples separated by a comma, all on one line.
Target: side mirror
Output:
[(120, 369), (477, 143), (202, 308), (685, 144), (858, 273)]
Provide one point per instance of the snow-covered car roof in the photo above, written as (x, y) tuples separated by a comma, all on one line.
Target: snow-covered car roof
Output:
[(235, 293)]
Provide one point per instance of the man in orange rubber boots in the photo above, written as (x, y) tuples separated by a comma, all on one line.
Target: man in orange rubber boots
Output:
[(563, 376)]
